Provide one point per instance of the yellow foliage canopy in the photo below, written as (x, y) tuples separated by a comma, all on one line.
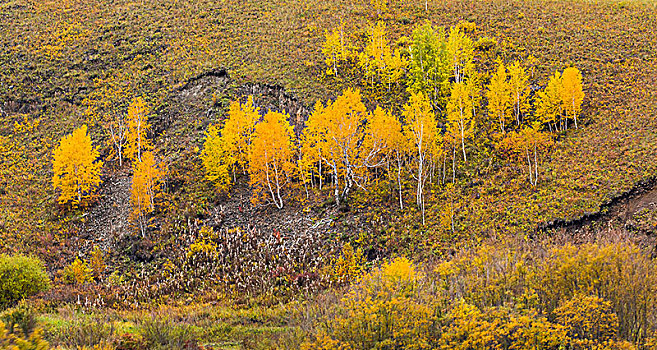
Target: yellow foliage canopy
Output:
[(571, 93), (384, 310), (76, 171), (238, 130), (215, 160), (548, 104), (337, 132), (138, 127), (335, 49), (498, 95), (145, 185), (519, 88), (271, 159), (460, 112)]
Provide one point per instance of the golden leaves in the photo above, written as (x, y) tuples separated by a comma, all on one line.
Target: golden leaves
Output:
[(76, 171), (145, 185), (216, 161), (271, 157), (138, 127)]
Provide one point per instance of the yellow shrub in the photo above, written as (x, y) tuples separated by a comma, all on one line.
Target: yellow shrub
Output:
[(467, 327), (11, 341), (588, 319), (348, 266), (386, 309), (78, 272)]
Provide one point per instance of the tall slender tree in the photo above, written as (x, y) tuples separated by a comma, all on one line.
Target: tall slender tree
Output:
[(138, 127), (421, 128), (145, 186), (271, 157), (572, 93), (498, 94)]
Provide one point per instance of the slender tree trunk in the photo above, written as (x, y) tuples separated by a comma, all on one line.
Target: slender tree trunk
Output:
[(271, 190), (401, 201), (530, 165), (454, 163), (574, 114), (335, 182), (320, 172), (535, 166), (451, 210), (465, 159), (444, 166)]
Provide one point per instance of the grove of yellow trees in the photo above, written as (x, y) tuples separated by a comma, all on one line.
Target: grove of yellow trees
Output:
[(454, 106)]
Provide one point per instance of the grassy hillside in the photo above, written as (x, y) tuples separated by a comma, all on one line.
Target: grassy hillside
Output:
[(68, 63)]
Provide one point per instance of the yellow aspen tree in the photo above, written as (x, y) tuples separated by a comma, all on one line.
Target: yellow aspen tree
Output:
[(216, 161), (271, 158), (519, 87), (337, 133), (499, 97), (145, 186), (460, 49), (384, 136), (460, 112), (572, 94), (344, 121), (335, 49), (238, 130), (422, 130), (76, 170), (310, 160), (548, 102), (393, 67), (138, 127), (371, 60)]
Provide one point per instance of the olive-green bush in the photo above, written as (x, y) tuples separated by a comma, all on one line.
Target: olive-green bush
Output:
[(20, 277)]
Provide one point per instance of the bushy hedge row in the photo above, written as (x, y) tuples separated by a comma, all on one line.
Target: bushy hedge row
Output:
[(593, 296)]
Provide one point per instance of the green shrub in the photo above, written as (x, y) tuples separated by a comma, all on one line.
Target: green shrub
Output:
[(20, 277)]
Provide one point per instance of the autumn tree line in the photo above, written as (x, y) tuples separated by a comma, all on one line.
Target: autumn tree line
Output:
[(344, 146), (453, 109)]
